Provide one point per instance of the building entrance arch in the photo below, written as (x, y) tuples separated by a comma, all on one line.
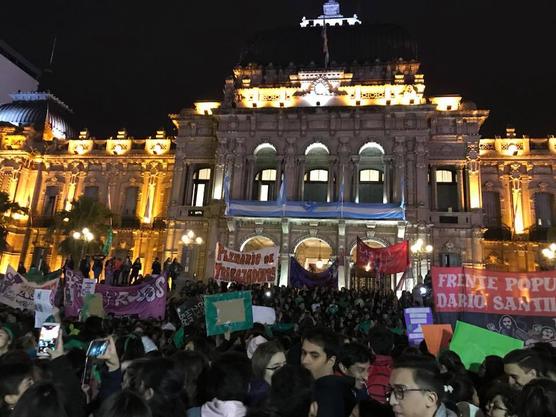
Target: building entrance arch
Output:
[(365, 277), (255, 243), (314, 254)]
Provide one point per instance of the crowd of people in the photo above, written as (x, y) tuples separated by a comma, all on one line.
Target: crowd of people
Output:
[(330, 354)]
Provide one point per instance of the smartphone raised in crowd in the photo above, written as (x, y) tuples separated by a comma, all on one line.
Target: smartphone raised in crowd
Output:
[(97, 348), (48, 338)]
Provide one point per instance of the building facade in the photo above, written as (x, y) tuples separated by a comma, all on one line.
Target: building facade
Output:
[(307, 153)]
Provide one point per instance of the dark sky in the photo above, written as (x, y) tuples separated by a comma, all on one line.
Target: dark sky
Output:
[(122, 63)]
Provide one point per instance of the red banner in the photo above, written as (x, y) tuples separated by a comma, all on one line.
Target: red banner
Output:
[(481, 291), (390, 260)]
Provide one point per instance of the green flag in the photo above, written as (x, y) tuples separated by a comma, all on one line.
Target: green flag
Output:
[(474, 343), (107, 243)]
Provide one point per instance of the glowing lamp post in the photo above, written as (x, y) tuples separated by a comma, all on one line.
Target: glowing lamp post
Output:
[(86, 236), (419, 249), (550, 253), (191, 240)]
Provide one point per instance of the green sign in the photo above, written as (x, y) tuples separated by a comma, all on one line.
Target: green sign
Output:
[(474, 343), (228, 312)]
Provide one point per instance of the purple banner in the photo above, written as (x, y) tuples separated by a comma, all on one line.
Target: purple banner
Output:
[(147, 300), (300, 277)]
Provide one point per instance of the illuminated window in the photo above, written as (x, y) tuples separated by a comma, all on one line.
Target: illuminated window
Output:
[(201, 180), (317, 175), (443, 175), (130, 203), (370, 175), (264, 185)]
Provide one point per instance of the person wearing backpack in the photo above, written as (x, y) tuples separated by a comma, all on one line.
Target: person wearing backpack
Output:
[(381, 342)]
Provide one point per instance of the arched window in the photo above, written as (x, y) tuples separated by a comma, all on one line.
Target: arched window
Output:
[(447, 190), (201, 180), (371, 186), (315, 185), (265, 182)]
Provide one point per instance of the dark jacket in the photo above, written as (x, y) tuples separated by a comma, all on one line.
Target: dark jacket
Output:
[(334, 395)]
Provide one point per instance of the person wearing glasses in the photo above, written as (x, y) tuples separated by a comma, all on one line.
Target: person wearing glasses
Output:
[(417, 388), (266, 360), (500, 400)]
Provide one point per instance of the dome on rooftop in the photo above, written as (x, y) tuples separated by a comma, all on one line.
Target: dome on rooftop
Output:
[(43, 111), (303, 46)]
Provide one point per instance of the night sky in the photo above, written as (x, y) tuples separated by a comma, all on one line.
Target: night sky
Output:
[(121, 63)]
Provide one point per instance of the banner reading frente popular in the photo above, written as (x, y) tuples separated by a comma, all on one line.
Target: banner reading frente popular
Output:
[(17, 292), (246, 267), (389, 260), (480, 291)]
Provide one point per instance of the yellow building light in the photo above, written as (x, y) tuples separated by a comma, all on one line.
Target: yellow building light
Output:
[(206, 107), (157, 147), (118, 147), (80, 147), (446, 103)]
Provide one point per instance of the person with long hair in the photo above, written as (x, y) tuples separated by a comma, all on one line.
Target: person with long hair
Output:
[(41, 399), (124, 404)]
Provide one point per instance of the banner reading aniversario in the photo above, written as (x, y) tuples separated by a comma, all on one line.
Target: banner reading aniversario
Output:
[(520, 305), (246, 267)]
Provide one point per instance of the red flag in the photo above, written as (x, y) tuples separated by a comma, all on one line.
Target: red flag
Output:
[(390, 260)]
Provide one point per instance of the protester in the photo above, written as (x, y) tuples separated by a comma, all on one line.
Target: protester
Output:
[(229, 378), (354, 361), (524, 365), (381, 342), (43, 396), (417, 388), (124, 404), (266, 360), (537, 399)]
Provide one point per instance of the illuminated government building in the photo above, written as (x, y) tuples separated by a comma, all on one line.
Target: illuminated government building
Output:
[(360, 148)]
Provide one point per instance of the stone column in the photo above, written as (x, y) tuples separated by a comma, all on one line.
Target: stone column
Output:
[(355, 192), (434, 189), (399, 171), (187, 185), (218, 184), (342, 269), (278, 182), (285, 253), (250, 177), (300, 176), (331, 176), (421, 174), (211, 245), (387, 180), (180, 172), (461, 189)]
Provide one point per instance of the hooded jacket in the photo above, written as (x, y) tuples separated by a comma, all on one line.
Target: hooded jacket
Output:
[(217, 408)]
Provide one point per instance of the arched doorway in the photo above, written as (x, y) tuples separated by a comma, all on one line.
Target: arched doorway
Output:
[(365, 277), (256, 243), (314, 254)]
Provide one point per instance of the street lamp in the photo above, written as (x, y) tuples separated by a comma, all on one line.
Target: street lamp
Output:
[(190, 239), (419, 249), (86, 236), (550, 252)]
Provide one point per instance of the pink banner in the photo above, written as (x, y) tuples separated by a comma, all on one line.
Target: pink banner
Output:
[(148, 300)]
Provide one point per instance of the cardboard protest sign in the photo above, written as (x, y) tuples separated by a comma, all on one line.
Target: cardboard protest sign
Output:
[(17, 292), (474, 343), (191, 311), (43, 306), (414, 318), (264, 315), (92, 306), (88, 286), (437, 337), (228, 312), (245, 267), (147, 300), (515, 304)]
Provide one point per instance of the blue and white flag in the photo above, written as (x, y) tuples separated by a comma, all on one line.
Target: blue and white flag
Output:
[(282, 193)]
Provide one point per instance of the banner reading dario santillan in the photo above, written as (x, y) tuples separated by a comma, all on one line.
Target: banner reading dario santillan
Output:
[(246, 267), (521, 305)]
